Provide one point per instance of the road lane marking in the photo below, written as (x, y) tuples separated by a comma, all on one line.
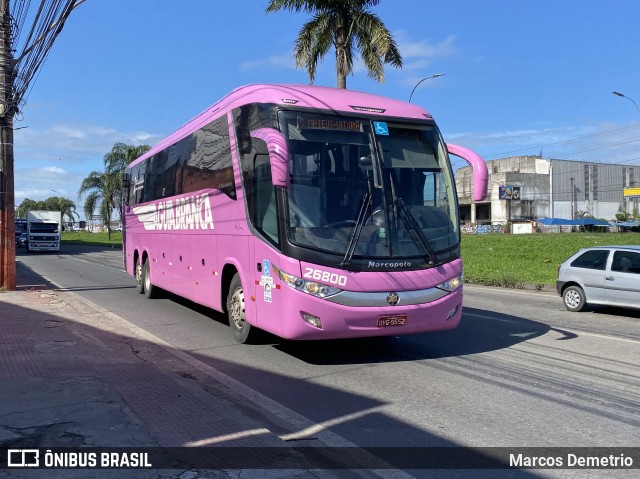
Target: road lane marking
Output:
[(228, 437), (577, 332)]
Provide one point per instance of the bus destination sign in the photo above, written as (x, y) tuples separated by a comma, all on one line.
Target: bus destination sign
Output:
[(328, 123)]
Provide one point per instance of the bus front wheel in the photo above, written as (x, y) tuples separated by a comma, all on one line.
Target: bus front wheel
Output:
[(242, 331)]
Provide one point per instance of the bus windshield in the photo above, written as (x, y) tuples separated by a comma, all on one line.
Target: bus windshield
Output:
[(370, 190)]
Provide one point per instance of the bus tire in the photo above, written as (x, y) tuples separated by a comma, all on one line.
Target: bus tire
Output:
[(138, 275), (242, 331), (150, 291)]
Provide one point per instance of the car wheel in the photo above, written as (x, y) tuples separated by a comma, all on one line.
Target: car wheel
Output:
[(242, 331), (574, 298)]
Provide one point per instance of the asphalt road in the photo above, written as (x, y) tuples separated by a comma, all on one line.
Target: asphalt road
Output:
[(520, 371)]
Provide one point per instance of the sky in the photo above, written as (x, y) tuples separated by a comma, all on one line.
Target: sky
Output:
[(520, 77)]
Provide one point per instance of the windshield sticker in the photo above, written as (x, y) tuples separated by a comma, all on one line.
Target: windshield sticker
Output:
[(381, 128)]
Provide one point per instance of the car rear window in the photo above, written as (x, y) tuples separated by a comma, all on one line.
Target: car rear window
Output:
[(593, 259)]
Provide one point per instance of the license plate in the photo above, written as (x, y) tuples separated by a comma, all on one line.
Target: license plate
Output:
[(397, 320)]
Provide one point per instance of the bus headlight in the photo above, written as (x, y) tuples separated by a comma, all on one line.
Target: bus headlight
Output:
[(451, 284), (310, 287)]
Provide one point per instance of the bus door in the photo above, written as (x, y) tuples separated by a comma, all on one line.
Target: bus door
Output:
[(264, 211)]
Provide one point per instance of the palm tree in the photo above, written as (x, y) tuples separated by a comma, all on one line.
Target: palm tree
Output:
[(122, 155), (103, 191), (116, 161), (345, 24), (26, 205), (65, 206)]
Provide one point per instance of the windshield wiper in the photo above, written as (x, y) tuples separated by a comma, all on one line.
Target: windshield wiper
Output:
[(357, 229), (415, 227)]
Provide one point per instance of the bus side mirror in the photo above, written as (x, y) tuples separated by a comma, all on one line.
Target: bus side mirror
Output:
[(480, 171), (278, 154)]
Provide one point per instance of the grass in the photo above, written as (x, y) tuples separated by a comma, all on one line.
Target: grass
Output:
[(97, 239), (516, 260), (511, 261)]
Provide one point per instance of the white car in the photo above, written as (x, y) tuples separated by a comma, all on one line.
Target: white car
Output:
[(604, 275)]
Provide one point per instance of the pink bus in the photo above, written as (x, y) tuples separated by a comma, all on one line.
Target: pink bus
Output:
[(305, 211)]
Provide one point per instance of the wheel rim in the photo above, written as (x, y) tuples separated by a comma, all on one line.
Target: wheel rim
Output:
[(572, 298), (236, 309), (147, 280), (139, 274)]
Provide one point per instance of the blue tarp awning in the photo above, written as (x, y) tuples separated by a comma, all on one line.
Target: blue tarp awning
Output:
[(555, 221), (576, 222), (590, 222)]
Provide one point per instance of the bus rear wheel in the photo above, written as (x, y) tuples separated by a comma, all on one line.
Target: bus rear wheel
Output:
[(137, 269), (242, 331), (150, 291)]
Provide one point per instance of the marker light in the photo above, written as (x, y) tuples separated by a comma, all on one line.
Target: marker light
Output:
[(451, 284), (314, 289), (312, 320)]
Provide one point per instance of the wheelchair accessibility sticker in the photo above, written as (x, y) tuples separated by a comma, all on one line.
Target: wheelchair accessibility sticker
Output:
[(381, 128)]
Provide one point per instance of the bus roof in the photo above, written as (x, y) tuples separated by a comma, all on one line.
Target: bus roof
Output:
[(339, 100)]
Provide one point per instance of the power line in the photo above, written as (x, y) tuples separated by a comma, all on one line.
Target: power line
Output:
[(562, 142), (48, 21)]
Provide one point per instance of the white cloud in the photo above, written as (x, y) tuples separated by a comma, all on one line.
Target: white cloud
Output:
[(58, 157), (72, 143), (275, 61), (596, 142), (418, 55), (53, 170), (425, 50)]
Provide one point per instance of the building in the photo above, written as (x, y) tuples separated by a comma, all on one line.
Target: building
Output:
[(546, 188)]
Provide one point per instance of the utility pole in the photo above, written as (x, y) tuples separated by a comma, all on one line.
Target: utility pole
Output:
[(16, 76), (7, 111)]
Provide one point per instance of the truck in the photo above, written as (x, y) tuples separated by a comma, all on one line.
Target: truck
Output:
[(44, 229)]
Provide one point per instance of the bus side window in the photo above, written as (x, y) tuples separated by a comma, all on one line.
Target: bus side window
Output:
[(126, 187), (265, 211)]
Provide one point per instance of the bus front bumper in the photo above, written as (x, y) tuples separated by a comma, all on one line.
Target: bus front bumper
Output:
[(314, 318)]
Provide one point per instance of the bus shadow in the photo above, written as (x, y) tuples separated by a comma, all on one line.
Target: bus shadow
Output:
[(137, 394), (480, 331)]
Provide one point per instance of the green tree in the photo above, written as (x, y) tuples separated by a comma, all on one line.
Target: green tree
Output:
[(622, 216), (100, 194), (347, 25), (53, 203), (102, 191), (117, 160), (65, 206), (26, 205)]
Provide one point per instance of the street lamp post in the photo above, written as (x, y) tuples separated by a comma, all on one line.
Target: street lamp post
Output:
[(435, 75), (617, 93)]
